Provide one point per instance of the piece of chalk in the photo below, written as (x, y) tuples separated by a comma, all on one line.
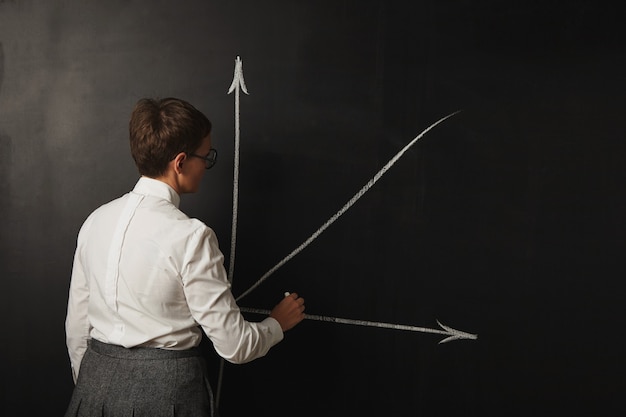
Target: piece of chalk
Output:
[(286, 293)]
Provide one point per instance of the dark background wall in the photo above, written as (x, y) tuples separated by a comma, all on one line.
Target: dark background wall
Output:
[(506, 221)]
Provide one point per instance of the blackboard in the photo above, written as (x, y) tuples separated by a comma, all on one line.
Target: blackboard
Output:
[(505, 221)]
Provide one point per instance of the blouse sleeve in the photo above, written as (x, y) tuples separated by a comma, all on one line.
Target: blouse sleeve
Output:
[(77, 327), (213, 306)]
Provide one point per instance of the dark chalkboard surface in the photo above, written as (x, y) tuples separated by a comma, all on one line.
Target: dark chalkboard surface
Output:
[(505, 221)]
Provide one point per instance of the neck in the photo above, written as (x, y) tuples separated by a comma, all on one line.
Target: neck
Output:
[(170, 180)]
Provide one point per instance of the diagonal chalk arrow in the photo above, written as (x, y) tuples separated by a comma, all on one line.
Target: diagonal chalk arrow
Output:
[(452, 334), (345, 207)]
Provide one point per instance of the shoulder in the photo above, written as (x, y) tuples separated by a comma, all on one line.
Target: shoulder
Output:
[(200, 230), (181, 229)]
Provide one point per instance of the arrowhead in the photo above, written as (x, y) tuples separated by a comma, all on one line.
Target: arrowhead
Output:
[(455, 334), (238, 78)]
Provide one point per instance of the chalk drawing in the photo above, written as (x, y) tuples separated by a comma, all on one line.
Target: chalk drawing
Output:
[(235, 85)]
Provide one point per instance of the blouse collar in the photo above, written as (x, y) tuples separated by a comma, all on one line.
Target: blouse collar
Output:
[(156, 188)]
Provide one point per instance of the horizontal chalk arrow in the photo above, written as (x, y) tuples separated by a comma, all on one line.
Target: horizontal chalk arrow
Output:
[(452, 334)]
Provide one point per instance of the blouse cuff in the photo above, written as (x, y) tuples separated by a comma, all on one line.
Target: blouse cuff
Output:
[(273, 328)]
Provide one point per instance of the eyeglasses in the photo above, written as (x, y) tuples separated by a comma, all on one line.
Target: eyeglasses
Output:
[(209, 160)]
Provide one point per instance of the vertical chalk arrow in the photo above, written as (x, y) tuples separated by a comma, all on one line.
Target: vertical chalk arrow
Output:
[(237, 84)]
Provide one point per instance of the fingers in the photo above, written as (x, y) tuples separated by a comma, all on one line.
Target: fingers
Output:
[(300, 307), (290, 311), (296, 306), (298, 300)]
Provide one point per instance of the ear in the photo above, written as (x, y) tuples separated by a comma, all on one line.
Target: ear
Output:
[(178, 162)]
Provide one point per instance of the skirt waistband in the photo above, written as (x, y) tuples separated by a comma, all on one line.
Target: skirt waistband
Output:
[(140, 352)]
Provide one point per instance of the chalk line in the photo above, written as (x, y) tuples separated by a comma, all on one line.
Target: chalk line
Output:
[(345, 208), (238, 83), (452, 334)]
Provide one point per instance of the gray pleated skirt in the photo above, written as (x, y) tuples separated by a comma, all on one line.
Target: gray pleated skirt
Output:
[(140, 382)]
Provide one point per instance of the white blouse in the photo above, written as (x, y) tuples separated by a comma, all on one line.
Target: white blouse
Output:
[(147, 275)]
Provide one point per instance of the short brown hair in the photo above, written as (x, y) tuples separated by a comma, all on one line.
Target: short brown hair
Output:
[(160, 129)]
